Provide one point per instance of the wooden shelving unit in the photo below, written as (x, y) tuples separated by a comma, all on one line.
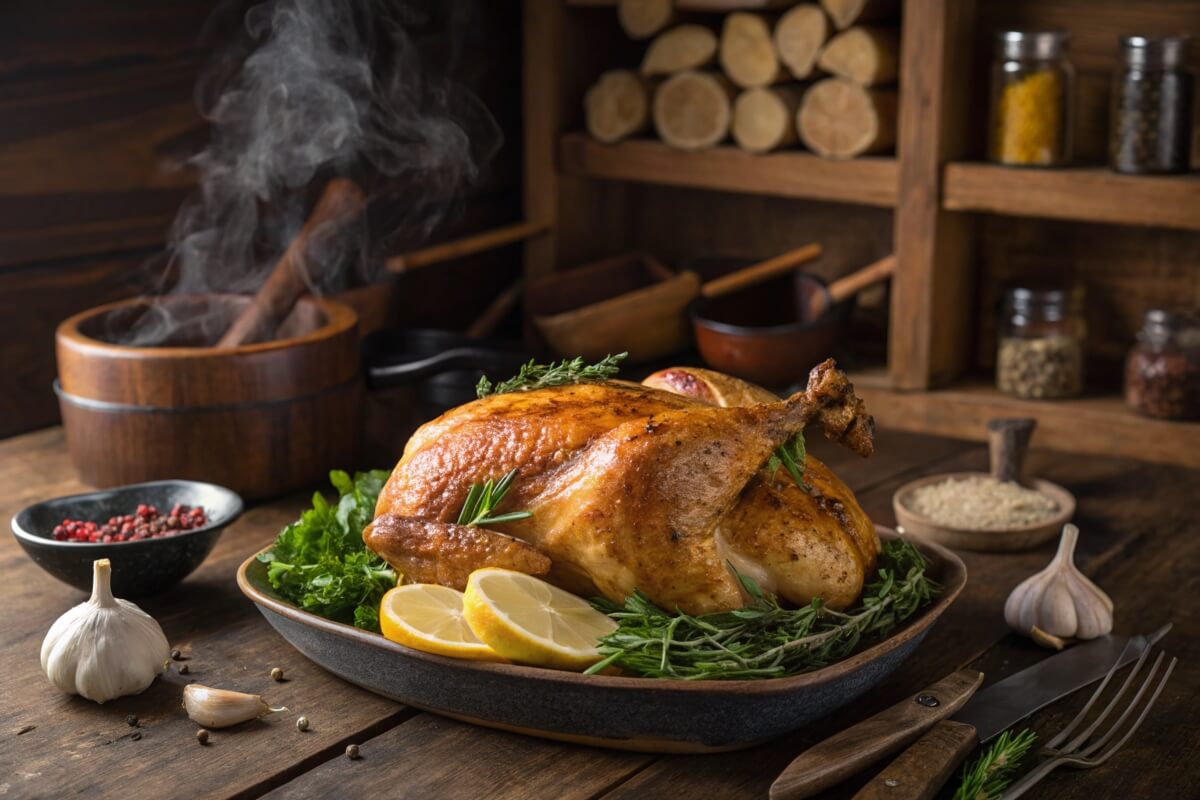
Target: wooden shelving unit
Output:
[(1090, 424), (1087, 194), (945, 207), (868, 181)]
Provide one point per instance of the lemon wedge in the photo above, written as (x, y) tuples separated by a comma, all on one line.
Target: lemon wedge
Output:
[(428, 617), (525, 619)]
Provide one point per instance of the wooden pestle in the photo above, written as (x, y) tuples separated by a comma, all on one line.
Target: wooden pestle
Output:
[(1008, 440), (340, 203)]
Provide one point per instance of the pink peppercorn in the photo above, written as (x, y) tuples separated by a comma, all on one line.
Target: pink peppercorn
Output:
[(145, 523)]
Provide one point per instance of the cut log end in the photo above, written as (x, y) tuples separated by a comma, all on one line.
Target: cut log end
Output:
[(692, 110), (684, 47), (840, 119), (798, 36), (747, 53), (867, 56), (617, 106), (641, 19), (765, 119), (845, 13)]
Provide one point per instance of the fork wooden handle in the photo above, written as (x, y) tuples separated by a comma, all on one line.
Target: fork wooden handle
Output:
[(921, 770), (847, 753)]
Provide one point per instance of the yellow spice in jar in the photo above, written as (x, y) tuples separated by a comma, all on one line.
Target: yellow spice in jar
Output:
[(1029, 120)]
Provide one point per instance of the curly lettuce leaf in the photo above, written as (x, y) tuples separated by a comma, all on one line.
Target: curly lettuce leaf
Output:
[(320, 563)]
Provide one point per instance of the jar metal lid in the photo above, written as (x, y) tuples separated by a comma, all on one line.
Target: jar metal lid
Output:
[(1041, 45), (1171, 318), (1027, 297), (1166, 52)]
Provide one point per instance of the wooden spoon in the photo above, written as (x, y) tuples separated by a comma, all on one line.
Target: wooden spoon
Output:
[(849, 286), (759, 272)]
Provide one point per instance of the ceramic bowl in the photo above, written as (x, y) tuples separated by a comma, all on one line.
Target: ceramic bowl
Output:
[(992, 541), (143, 567), (626, 713)]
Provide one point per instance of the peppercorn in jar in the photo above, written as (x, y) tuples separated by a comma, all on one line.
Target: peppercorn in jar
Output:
[(1150, 128), (1162, 372), (1040, 348), (1032, 88)]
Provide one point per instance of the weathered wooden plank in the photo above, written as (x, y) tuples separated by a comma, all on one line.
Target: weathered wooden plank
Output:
[(930, 294), (429, 756), (33, 300)]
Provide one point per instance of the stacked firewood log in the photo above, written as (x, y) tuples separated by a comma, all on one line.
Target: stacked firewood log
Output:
[(785, 72)]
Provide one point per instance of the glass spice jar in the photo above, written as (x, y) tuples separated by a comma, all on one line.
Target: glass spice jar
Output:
[(1162, 372), (1150, 125), (1032, 87), (1040, 343)]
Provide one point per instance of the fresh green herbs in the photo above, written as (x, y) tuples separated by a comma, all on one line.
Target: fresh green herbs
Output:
[(320, 562), (988, 777), (539, 376), (791, 456), (482, 499), (763, 640)]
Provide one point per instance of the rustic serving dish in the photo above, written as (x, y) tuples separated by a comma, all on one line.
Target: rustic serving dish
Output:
[(607, 711), (140, 568), (264, 419), (994, 541)]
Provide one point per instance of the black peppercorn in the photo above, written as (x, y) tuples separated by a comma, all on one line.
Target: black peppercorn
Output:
[(131, 720), (202, 736)]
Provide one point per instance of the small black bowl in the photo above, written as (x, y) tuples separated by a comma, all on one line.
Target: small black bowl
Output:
[(139, 568)]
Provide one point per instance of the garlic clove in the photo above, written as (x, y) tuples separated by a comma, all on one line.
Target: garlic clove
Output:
[(220, 708), (104, 648), (1060, 601)]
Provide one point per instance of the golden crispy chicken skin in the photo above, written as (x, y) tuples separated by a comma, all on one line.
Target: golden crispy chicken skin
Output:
[(442, 552), (636, 488)]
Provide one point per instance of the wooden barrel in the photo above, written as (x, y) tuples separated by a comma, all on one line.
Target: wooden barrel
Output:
[(263, 419)]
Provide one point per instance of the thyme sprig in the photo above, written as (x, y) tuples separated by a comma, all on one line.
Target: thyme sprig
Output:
[(483, 498), (763, 639), (990, 775), (538, 376)]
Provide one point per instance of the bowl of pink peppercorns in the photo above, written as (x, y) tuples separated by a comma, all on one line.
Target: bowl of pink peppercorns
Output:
[(155, 534)]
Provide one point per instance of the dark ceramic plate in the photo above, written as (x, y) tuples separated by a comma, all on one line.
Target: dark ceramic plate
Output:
[(138, 568), (626, 713)]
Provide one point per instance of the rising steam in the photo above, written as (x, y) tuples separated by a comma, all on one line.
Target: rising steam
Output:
[(310, 90)]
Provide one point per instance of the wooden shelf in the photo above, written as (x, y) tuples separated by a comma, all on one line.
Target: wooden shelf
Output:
[(1101, 425), (866, 181), (1087, 194)]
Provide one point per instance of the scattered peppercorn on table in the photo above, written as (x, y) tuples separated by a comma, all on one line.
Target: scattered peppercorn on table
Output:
[(1141, 537)]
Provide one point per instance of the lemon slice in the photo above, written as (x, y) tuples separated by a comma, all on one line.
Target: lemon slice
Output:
[(427, 617), (525, 619)]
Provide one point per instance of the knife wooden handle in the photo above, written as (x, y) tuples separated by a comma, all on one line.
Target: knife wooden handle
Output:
[(830, 762), (921, 770)]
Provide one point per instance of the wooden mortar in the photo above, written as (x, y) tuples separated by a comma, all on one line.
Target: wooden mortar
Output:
[(263, 419)]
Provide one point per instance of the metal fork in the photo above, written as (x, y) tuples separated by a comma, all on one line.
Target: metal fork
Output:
[(1082, 752)]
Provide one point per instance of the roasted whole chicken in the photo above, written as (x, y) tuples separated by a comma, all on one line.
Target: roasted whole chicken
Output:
[(660, 487)]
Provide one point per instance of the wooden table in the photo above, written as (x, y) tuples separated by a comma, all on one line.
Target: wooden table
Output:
[(1140, 541)]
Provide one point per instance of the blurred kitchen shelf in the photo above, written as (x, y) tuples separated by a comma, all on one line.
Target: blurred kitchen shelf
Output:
[(1094, 424), (1086, 194), (867, 181)]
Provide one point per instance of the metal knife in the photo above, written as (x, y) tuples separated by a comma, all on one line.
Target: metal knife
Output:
[(945, 742)]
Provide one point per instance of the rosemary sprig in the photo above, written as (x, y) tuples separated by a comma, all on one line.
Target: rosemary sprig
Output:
[(483, 498), (539, 376), (791, 456), (763, 640), (988, 777)]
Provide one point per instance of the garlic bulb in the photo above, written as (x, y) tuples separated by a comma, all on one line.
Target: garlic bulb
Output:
[(104, 648), (1060, 600), (220, 708)]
